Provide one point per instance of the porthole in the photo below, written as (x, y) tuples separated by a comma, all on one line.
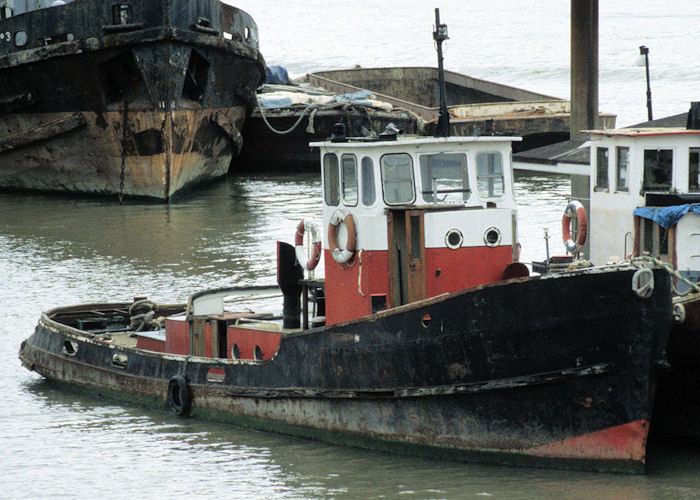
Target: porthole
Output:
[(258, 353), (454, 239), (426, 320), (20, 38), (235, 352), (492, 237)]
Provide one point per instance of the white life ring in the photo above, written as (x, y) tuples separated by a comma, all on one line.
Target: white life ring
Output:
[(312, 227), (342, 255), (574, 207)]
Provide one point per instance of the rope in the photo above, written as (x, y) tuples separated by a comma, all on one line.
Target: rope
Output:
[(359, 273), (296, 124), (694, 287)]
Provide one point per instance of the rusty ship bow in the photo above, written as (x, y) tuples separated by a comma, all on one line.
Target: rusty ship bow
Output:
[(139, 99)]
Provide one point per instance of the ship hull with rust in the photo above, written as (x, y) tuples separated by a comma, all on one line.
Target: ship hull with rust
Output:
[(146, 105), (514, 372)]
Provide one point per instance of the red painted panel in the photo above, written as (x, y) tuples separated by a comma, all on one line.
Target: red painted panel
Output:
[(150, 344), (247, 339), (177, 336), (368, 274), (449, 271), (626, 442)]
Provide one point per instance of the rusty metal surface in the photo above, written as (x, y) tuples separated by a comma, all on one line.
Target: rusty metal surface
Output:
[(181, 88)]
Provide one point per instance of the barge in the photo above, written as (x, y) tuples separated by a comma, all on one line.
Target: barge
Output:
[(138, 98)]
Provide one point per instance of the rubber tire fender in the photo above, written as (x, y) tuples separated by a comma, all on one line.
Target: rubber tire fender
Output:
[(179, 396)]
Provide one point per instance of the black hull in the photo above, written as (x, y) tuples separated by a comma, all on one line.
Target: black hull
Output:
[(677, 413), (554, 372), (146, 109)]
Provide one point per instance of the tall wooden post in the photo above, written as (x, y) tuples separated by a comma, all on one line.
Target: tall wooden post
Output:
[(584, 66), (584, 86)]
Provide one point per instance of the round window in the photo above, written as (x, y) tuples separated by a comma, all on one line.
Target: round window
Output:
[(492, 237), (454, 239)]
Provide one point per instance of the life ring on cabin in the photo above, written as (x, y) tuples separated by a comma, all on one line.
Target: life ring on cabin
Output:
[(341, 255), (312, 227), (574, 208), (179, 395)]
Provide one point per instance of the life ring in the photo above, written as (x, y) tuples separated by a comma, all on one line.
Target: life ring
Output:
[(312, 227), (342, 255), (179, 396), (574, 207)]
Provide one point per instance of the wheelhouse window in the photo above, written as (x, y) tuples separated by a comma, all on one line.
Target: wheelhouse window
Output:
[(601, 176), (658, 169), (331, 179), (369, 193), (349, 180), (694, 170), (654, 239), (489, 175), (444, 178), (622, 161), (397, 178)]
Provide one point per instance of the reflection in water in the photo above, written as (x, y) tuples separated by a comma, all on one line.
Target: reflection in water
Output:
[(59, 251)]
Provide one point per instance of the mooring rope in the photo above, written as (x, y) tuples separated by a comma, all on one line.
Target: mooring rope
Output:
[(290, 129)]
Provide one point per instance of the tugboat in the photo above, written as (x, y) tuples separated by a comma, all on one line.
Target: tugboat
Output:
[(645, 192), (425, 336), (138, 99)]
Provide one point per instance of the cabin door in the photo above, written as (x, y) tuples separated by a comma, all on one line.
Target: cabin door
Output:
[(407, 256)]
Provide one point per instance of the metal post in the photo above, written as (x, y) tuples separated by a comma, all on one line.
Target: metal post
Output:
[(440, 35), (643, 50)]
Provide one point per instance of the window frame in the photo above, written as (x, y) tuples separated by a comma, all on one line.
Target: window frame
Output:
[(349, 156), (598, 177), (502, 176), (618, 150), (646, 189), (413, 179), (364, 168), (326, 178), (694, 151), (465, 193)]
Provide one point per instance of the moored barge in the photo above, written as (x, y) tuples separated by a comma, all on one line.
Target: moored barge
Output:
[(138, 98)]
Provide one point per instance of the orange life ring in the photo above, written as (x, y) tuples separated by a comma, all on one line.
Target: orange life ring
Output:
[(574, 207), (341, 255), (315, 241)]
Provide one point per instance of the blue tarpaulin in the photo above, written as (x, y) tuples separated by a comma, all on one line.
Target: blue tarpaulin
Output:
[(667, 216)]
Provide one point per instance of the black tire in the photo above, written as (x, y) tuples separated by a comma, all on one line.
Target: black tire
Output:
[(179, 396)]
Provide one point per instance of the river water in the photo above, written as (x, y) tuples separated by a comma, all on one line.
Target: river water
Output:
[(57, 250)]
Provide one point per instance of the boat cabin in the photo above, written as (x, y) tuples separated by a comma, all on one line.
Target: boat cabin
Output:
[(10, 8), (430, 216), (645, 196)]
